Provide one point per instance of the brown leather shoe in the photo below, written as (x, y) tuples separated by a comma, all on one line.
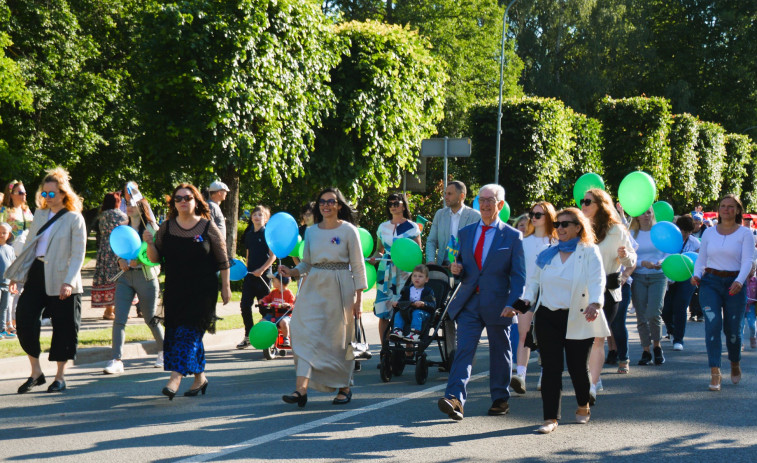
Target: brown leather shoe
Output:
[(499, 407), (451, 407)]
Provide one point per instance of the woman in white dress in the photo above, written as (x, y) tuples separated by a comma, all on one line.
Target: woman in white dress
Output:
[(323, 320)]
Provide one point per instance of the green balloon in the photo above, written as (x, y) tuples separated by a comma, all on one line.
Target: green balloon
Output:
[(406, 254), (370, 275), (366, 241), (142, 256), (585, 183), (504, 214), (678, 267), (297, 251), (263, 335), (636, 193), (663, 211)]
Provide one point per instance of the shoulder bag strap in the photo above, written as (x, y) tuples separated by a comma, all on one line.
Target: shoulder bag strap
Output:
[(57, 216)]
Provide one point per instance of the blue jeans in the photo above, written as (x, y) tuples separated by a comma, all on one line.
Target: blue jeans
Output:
[(416, 323), (674, 311), (5, 307), (648, 294), (618, 325), (721, 312)]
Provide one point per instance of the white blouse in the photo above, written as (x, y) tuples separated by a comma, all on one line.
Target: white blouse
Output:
[(731, 253), (556, 295)]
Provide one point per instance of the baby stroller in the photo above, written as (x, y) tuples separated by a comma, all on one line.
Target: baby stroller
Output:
[(437, 329), (278, 310)]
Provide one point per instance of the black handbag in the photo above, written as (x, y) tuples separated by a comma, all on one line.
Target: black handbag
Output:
[(361, 348), (613, 281)]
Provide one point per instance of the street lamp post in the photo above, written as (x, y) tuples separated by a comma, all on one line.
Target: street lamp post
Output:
[(501, 84)]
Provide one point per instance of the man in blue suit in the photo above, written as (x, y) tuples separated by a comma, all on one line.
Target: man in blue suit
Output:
[(493, 273)]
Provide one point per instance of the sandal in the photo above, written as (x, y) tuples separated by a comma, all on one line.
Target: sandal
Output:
[(735, 372), (715, 380), (347, 397), (623, 367), (548, 427), (296, 398), (583, 414)]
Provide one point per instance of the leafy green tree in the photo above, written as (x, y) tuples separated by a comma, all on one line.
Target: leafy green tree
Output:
[(738, 151), (749, 187), (711, 151), (231, 88), (683, 161)]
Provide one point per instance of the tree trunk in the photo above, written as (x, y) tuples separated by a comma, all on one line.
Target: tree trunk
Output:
[(230, 208)]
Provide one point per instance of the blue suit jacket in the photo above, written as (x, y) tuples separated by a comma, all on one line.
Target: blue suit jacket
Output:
[(502, 279)]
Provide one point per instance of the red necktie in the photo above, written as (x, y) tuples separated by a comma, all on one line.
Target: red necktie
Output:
[(479, 252)]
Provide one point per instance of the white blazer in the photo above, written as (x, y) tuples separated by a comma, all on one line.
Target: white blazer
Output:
[(588, 287), (64, 256)]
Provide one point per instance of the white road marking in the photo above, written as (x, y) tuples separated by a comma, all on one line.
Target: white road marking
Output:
[(314, 424)]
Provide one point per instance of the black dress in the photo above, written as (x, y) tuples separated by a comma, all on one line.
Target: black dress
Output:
[(191, 260)]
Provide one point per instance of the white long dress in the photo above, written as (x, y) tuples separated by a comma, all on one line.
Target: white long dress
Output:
[(323, 326)]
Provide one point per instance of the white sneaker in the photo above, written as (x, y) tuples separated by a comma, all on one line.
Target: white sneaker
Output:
[(159, 360), (599, 386), (115, 366), (518, 383), (592, 394), (678, 346), (414, 337), (538, 385)]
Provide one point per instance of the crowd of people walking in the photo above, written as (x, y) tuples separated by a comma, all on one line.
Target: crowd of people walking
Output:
[(558, 282)]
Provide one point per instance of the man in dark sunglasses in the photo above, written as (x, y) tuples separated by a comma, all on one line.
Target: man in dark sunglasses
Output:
[(493, 272), (448, 221)]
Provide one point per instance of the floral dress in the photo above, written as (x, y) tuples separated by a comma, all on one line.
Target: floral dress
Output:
[(20, 221), (389, 279), (104, 290)]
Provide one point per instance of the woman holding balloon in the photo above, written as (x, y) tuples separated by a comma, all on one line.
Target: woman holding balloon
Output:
[(259, 259), (140, 278), (389, 277), (648, 289), (192, 250), (724, 262), (106, 267), (50, 268), (323, 322)]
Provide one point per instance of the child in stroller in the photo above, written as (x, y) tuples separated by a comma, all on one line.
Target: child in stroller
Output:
[(416, 305), (280, 299)]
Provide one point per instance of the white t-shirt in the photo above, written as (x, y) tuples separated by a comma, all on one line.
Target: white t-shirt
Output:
[(556, 295), (647, 251), (532, 246), (730, 253)]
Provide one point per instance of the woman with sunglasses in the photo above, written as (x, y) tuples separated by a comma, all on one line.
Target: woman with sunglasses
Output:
[(192, 250), (50, 268), (617, 251), (329, 301), (389, 279), (539, 235), (15, 212), (724, 262), (568, 285), (648, 288)]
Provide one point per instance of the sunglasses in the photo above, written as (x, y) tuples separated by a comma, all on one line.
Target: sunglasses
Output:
[(20, 193), (394, 203), (585, 202), (327, 202), (48, 194), (179, 198), (536, 215), (564, 223)]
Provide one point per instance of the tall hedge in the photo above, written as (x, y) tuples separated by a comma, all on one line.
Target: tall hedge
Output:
[(711, 151), (749, 187), (683, 137), (738, 152), (585, 156), (636, 138), (537, 139)]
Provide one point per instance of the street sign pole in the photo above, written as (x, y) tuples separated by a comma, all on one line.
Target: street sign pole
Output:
[(446, 151)]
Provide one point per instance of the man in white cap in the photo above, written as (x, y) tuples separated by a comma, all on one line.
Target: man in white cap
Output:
[(217, 191)]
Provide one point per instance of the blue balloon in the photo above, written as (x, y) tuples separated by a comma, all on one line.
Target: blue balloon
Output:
[(692, 255), (125, 242), (666, 237), (475, 204), (281, 234), (238, 270)]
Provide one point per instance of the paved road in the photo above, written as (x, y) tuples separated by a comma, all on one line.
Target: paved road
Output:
[(654, 414)]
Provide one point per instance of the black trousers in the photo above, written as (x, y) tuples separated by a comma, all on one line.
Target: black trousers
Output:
[(551, 327), (610, 308), (252, 288), (65, 316)]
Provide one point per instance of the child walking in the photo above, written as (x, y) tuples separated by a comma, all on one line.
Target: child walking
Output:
[(7, 255)]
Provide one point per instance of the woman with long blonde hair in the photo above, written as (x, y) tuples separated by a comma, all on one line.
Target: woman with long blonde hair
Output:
[(50, 268)]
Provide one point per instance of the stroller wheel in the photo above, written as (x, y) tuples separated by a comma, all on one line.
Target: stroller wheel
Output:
[(386, 367), (421, 370), (398, 362)]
